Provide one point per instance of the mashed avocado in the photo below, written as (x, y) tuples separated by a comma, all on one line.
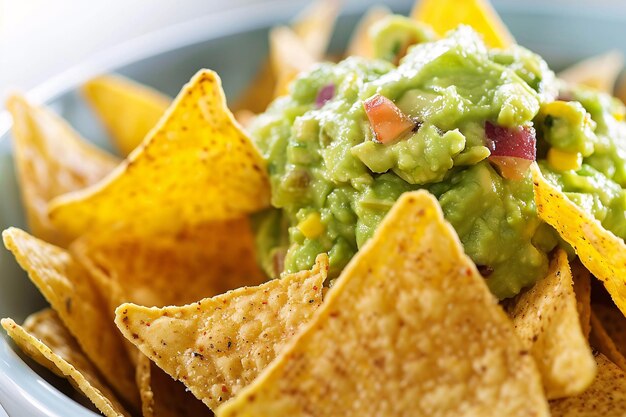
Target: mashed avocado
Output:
[(334, 178)]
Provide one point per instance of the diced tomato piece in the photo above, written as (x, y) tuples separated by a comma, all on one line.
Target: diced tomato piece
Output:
[(386, 119)]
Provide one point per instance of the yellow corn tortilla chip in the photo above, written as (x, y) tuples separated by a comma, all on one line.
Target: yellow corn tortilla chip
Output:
[(360, 43), (315, 24), (614, 323), (51, 159), (396, 336), (128, 109), (44, 338), (162, 396), (72, 294), (196, 166), (547, 323), (204, 261), (605, 397), (599, 72), (582, 289), (445, 15), (218, 345), (603, 253), (600, 340), (288, 56)]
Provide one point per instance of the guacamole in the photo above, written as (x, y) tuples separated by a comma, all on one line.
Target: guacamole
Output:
[(337, 166)]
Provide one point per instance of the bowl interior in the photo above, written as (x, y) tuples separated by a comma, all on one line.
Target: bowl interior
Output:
[(561, 39)]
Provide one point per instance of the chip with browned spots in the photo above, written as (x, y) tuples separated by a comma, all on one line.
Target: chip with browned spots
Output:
[(409, 328), (51, 159), (605, 397), (218, 345), (602, 253), (201, 262), (128, 109), (44, 338), (546, 320), (75, 297), (197, 165)]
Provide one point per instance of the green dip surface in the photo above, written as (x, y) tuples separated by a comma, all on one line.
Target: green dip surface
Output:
[(333, 181)]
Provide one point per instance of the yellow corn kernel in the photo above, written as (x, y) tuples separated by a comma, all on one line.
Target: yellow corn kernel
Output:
[(311, 227), (619, 115), (563, 161), (560, 109)]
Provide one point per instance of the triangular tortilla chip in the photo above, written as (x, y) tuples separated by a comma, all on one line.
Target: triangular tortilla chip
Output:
[(409, 328), (445, 15), (315, 24), (603, 253), (204, 261), (289, 57), (605, 397), (360, 43), (219, 345), (162, 396), (599, 72), (582, 289), (196, 166), (614, 323), (51, 159), (44, 338), (128, 109), (260, 92), (600, 340), (546, 321), (71, 293)]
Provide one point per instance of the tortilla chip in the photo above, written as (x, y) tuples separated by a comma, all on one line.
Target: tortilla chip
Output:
[(44, 338), (161, 396), (546, 321), (603, 253), (219, 345), (128, 109), (601, 341), (445, 15), (582, 289), (204, 261), (196, 166), (258, 95), (315, 24), (599, 72), (614, 323), (360, 43), (71, 293), (605, 397), (289, 57), (51, 159), (395, 336)]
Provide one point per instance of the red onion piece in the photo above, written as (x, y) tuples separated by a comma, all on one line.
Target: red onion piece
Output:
[(326, 93)]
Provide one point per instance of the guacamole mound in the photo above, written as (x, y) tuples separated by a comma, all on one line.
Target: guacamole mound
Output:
[(333, 179)]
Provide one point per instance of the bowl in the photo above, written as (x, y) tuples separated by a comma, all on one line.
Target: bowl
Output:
[(166, 60)]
